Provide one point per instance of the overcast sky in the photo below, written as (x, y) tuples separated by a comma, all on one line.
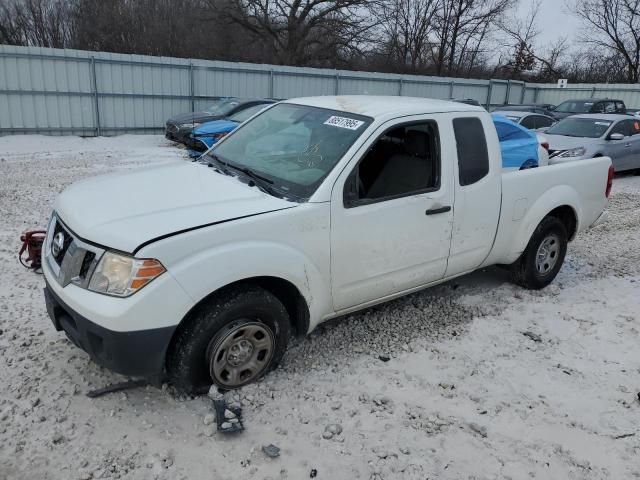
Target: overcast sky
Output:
[(553, 21)]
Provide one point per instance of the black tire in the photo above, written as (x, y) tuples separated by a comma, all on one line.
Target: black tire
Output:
[(189, 359), (525, 271)]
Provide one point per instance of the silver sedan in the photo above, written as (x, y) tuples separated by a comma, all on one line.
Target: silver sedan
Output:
[(596, 135)]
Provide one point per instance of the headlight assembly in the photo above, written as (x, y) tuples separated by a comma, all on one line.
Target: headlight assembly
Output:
[(121, 275), (574, 152)]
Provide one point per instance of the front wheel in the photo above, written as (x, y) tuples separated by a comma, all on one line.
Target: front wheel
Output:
[(231, 340), (542, 259)]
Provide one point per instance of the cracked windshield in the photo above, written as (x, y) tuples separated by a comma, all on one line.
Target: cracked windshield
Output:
[(293, 146)]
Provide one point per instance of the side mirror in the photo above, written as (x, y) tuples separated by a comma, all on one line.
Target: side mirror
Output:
[(616, 136)]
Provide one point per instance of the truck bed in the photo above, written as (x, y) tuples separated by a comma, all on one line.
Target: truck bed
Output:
[(529, 195)]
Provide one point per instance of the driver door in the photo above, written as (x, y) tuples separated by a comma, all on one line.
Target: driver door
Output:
[(391, 214)]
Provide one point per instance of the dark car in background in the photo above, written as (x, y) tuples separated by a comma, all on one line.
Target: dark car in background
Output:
[(178, 128), (208, 134), (589, 105), (532, 121), (540, 108)]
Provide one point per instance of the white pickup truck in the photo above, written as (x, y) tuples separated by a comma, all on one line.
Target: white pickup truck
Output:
[(316, 207)]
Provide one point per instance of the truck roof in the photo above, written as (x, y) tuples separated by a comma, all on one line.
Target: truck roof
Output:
[(380, 107)]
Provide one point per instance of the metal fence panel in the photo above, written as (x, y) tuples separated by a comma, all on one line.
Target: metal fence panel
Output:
[(629, 94), (56, 91), (429, 90), (288, 85)]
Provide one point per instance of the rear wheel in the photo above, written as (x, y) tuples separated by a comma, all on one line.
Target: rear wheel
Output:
[(231, 340), (542, 259)]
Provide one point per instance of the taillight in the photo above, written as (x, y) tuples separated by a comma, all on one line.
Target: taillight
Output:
[(609, 181), (545, 145)]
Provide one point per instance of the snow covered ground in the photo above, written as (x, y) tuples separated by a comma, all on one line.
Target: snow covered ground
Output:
[(465, 393)]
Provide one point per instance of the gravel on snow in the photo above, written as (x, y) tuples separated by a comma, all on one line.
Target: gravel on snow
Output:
[(461, 392)]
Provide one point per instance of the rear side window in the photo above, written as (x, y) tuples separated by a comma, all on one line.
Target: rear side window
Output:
[(529, 122), (508, 132), (543, 121), (473, 158), (623, 127)]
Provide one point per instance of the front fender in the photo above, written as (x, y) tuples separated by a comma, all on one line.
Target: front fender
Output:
[(209, 270)]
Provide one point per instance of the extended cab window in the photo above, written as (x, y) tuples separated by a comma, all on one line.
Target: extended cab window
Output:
[(403, 161), (471, 144)]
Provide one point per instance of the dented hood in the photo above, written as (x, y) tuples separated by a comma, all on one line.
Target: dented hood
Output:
[(124, 210)]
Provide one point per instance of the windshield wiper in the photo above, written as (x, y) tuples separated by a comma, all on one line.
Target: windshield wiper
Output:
[(221, 165), (258, 180)]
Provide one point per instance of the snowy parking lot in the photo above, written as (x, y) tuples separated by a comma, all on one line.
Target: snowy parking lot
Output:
[(474, 379)]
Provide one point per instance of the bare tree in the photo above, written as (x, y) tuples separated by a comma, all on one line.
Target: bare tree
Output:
[(613, 26), (408, 27), (304, 32), (43, 23), (522, 34), (462, 26)]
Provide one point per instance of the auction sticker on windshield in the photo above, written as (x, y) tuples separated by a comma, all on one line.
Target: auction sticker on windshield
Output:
[(343, 122)]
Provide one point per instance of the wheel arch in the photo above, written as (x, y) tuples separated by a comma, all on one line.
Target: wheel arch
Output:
[(285, 291), (568, 216), (561, 201)]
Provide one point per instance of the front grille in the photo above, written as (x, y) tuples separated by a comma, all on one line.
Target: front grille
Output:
[(60, 230), (71, 259)]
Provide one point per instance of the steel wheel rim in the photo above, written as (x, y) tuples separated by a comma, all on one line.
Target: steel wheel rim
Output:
[(242, 354), (547, 254)]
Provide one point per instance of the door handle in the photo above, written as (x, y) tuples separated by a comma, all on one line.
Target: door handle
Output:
[(435, 211)]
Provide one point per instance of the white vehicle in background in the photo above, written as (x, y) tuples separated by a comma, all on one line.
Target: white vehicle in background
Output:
[(314, 208)]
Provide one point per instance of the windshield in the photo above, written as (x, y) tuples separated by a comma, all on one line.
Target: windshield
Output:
[(294, 146), (222, 106), (574, 106), (580, 127), (247, 113)]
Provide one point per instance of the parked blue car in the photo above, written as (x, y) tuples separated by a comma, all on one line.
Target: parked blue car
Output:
[(519, 145), (207, 135)]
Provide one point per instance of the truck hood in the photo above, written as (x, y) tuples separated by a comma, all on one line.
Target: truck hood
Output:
[(124, 210)]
